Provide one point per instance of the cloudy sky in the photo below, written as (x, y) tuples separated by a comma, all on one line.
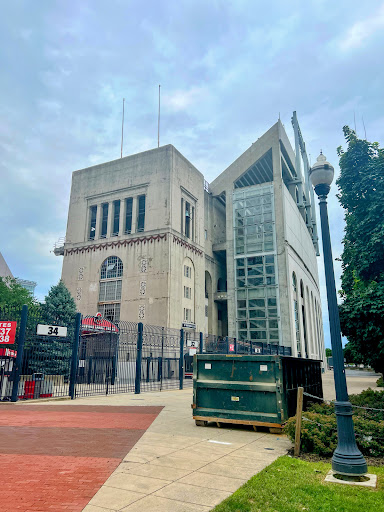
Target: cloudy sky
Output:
[(227, 70)]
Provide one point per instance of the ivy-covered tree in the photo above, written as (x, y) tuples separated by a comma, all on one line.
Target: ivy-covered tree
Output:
[(361, 193), (51, 355)]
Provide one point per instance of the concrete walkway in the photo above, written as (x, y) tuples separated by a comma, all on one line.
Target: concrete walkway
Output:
[(179, 467)]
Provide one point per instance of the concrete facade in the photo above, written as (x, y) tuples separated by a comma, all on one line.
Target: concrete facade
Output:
[(149, 240)]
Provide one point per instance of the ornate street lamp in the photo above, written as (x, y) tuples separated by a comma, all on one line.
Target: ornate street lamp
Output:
[(347, 458)]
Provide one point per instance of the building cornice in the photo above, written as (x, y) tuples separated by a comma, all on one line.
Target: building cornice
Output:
[(117, 243), (183, 243), (131, 242)]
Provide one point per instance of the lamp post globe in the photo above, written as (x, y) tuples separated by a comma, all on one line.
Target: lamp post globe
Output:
[(347, 458)]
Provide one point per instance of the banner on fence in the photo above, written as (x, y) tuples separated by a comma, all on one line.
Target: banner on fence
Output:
[(7, 333)]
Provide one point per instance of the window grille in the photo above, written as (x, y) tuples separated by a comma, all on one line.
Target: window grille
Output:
[(187, 219), (128, 215), (104, 220), (255, 264), (92, 227), (110, 311), (110, 291), (141, 213), (116, 218), (111, 268)]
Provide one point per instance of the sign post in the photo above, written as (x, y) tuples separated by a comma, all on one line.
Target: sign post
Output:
[(20, 350)]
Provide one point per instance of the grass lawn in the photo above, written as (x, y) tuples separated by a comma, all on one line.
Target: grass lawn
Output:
[(291, 485)]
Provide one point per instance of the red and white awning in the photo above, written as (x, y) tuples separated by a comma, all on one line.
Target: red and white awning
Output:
[(92, 324)]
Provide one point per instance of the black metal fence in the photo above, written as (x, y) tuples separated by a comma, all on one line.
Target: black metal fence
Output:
[(95, 356), (36, 365), (227, 345)]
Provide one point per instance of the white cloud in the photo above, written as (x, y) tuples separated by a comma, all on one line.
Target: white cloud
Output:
[(182, 99), (362, 30)]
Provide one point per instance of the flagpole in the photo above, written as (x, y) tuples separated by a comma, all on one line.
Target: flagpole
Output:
[(158, 123), (122, 132)]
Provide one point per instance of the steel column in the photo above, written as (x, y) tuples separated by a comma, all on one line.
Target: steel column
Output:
[(20, 350)]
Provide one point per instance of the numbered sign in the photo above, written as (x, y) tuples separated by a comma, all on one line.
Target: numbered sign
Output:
[(52, 330), (7, 332)]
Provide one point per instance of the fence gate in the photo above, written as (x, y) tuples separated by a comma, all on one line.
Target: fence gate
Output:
[(106, 358)]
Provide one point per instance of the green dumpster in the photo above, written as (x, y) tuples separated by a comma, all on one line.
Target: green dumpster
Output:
[(251, 390)]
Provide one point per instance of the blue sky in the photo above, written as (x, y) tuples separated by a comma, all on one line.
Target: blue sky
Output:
[(227, 69)]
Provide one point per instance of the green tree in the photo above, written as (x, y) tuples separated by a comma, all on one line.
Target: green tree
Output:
[(13, 295), (59, 307), (361, 193), (51, 355), (328, 352), (351, 355)]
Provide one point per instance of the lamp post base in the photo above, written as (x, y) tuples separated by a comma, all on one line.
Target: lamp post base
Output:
[(347, 458), (349, 465)]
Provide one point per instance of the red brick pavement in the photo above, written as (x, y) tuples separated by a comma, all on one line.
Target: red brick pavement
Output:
[(50, 468)]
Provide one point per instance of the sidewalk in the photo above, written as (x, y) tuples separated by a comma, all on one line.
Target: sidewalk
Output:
[(179, 467)]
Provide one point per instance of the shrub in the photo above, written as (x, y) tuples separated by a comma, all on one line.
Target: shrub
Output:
[(380, 382), (318, 433), (319, 428)]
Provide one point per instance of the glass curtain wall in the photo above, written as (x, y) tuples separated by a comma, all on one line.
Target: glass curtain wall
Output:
[(255, 264)]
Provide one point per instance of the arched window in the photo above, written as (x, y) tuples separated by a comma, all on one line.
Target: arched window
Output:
[(111, 268), (296, 314), (111, 272)]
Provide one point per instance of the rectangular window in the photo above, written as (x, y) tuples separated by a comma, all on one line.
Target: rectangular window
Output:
[(92, 227), (187, 315), (104, 220), (205, 234), (128, 216), (187, 271), (141, 213), (187, 219), (182, 216), (193, 223), (116, 218), (187, 292), (111, 312), (110, 290)]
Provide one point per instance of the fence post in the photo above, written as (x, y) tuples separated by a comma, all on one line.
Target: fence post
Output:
[(138, 357), (299, 411), (235, 344), (201, 347), (75, 356), (227, 341), (20, 350), (181, 359)]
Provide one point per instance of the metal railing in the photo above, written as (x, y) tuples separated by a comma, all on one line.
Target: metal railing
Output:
[(99, 357)]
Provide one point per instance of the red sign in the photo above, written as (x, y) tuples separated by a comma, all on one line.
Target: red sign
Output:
[(7, 333), (231, 347)]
